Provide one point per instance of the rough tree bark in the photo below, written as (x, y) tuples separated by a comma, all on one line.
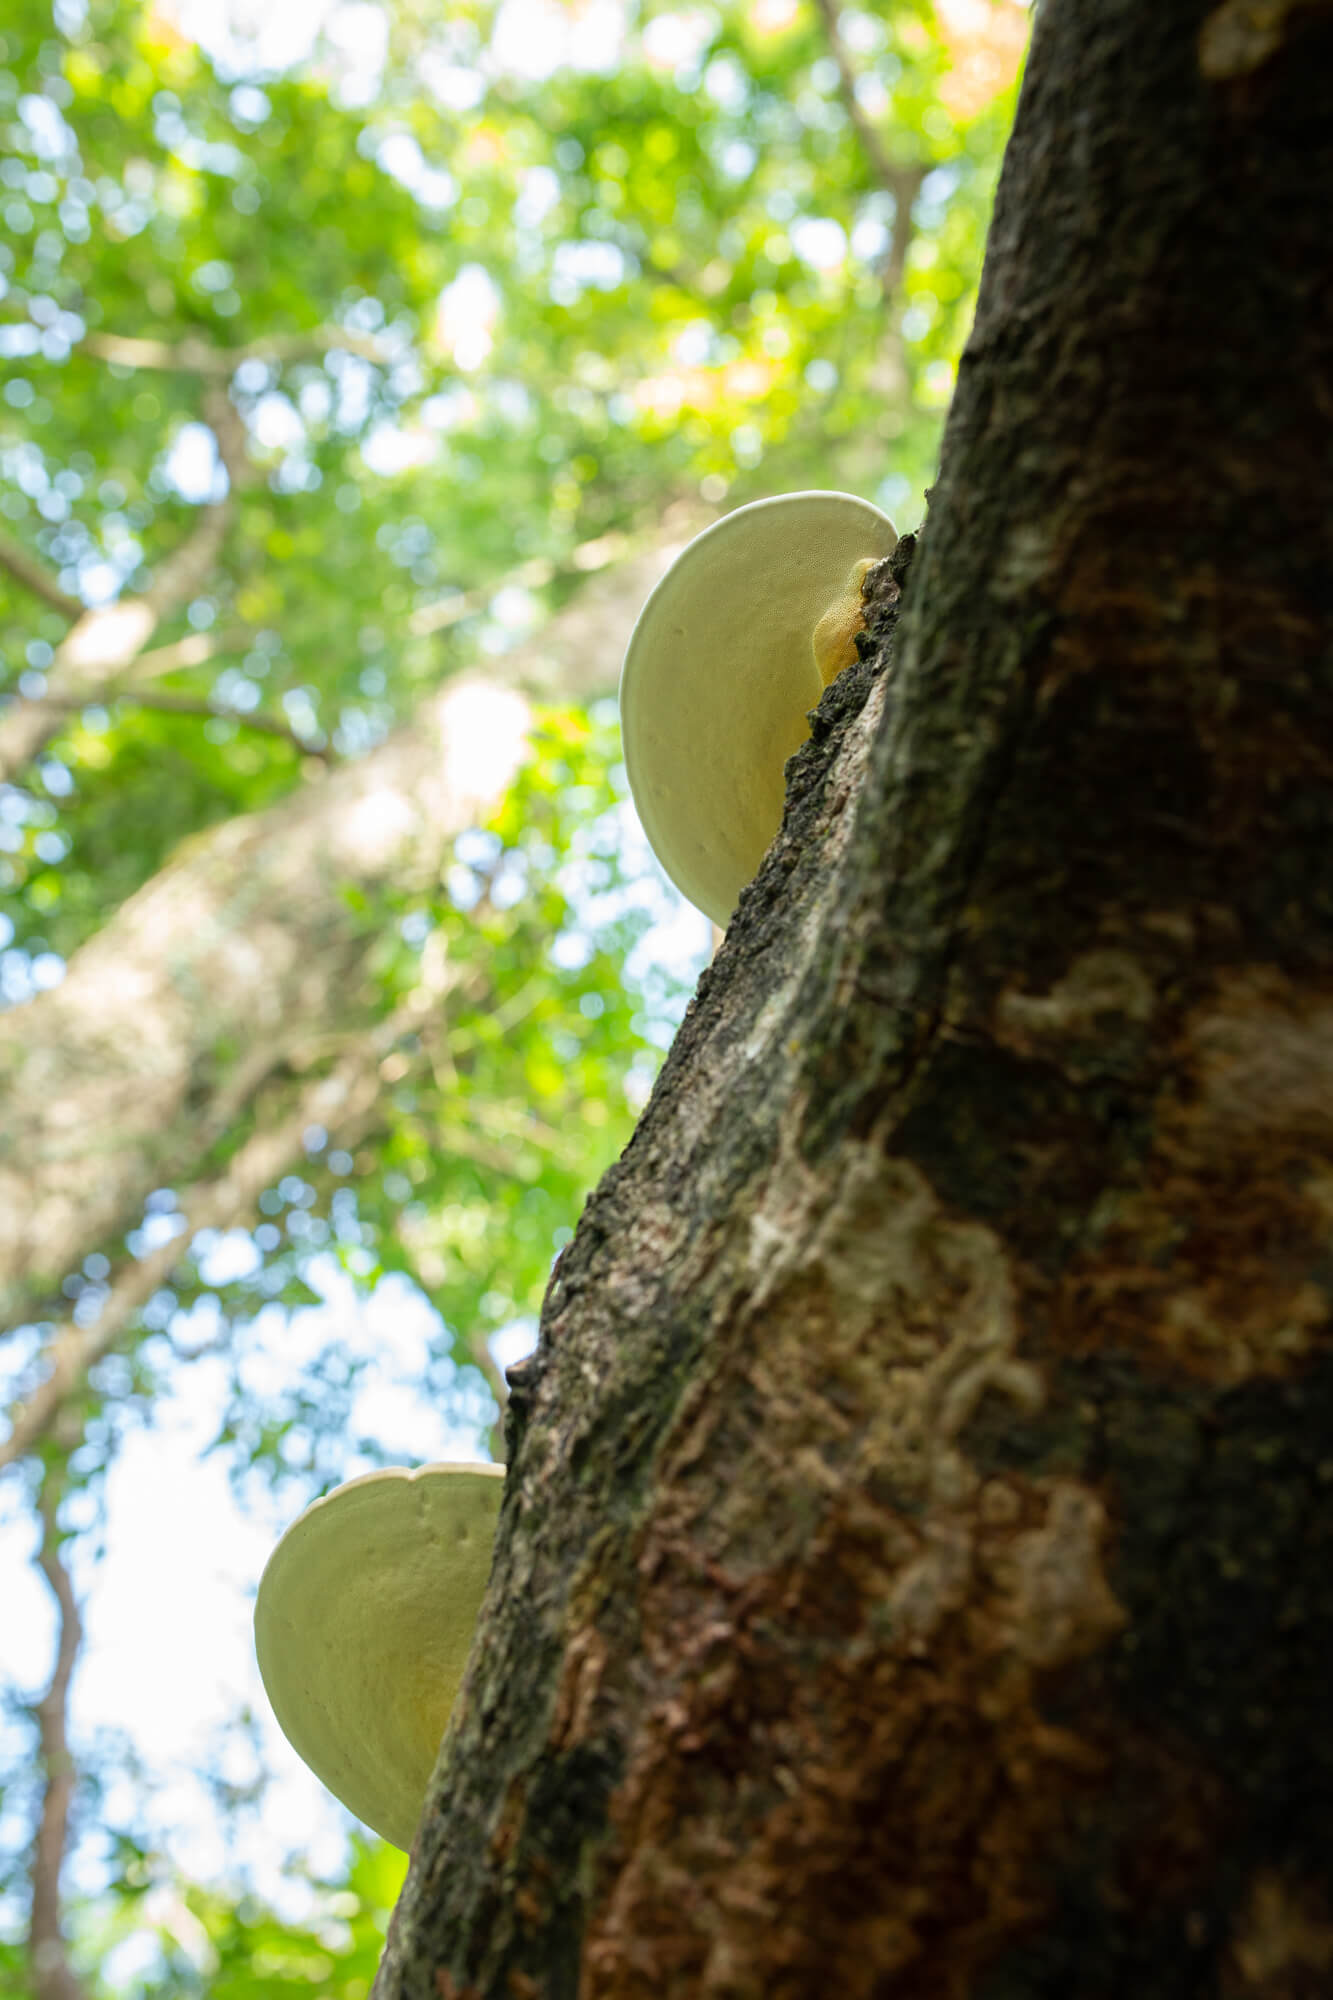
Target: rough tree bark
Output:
[(914, 1575)]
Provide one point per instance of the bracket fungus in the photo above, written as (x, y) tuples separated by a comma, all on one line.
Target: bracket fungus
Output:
[(731, 651), (363, 1623)]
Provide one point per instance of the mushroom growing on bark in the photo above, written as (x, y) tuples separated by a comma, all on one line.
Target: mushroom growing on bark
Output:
[(363, 1622), (730, 652)]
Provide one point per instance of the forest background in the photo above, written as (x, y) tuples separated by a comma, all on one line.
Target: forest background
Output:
[(362, 368)]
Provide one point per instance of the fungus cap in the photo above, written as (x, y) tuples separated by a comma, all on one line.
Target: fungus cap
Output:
[(721, 673), (363, 1622)]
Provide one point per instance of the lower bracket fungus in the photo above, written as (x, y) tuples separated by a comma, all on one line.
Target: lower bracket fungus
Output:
[(363, 1623), (729, 654)]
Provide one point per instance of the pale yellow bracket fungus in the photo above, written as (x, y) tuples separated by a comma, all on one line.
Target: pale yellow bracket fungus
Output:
[(363, 1622), (730, 653)]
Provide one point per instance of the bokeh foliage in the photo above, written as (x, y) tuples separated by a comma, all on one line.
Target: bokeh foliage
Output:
[(478, 298)]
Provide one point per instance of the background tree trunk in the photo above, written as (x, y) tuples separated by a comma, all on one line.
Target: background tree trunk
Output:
[(241, 951), (245, 958), (245, 949), (914, 1573)]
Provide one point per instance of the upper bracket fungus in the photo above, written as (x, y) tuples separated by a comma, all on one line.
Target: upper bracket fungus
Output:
[(363, 1622), (729, 654)]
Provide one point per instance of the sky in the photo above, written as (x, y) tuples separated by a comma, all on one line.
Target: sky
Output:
[(530, 37), (168, 1654)]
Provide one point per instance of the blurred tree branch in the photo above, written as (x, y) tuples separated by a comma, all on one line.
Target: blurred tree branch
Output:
[(112, 1080), (342, 1100), (174, 704), (891, 373), (894, 261), (247, 931), (902, 182), (35, 577), (108, 639), (201, 357), (339, 1100), (53, 1976), (627, 557), (194, 651)]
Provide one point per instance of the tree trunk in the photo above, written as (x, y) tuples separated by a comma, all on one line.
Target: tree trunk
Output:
[(238, 953), (915, 1575)]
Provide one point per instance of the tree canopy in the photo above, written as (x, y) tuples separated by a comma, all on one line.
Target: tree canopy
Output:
[(353, 397)]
